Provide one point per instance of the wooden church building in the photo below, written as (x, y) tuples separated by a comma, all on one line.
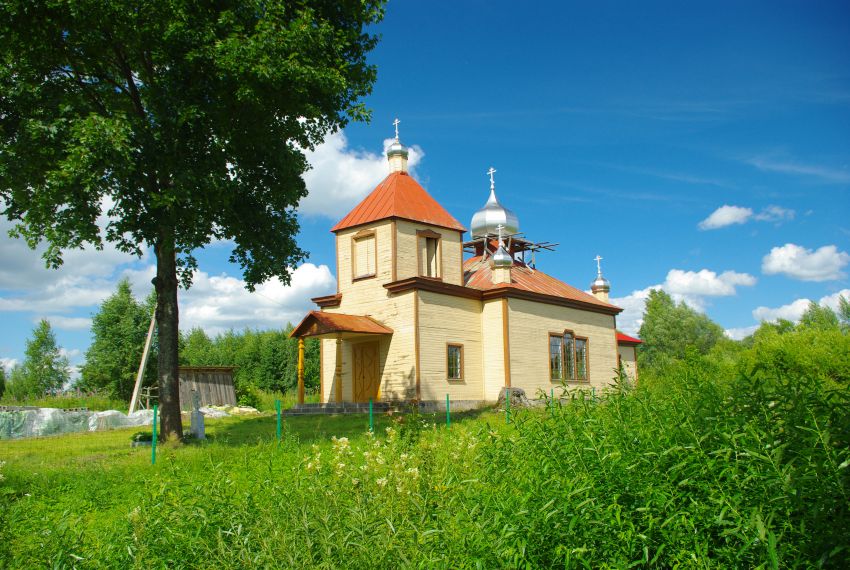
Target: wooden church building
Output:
[(420, 313)]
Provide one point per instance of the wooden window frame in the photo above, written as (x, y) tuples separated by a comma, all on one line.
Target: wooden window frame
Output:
[(363, 234), (563, 376), (425, 234), (450, 345)]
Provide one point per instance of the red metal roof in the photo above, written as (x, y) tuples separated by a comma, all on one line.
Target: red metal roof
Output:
[(626, 339), (318, 323), (478, 275), (399, 196)]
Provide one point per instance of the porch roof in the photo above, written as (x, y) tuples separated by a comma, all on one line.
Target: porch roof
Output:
[(319, 323)]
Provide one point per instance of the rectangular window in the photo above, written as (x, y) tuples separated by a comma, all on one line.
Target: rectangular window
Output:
[(556, 357), (454, 361), (581, 360), (364, 255), (567, 357), (428, 252), (570, 356), (431, 257)]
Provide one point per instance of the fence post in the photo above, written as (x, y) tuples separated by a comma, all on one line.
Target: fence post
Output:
[(277, 409), (371, 417), (448, 413), (552, 402), (153, 441), (507, 405)]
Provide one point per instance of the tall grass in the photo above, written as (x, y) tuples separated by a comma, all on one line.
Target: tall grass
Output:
[(94, 402), (691, 473)]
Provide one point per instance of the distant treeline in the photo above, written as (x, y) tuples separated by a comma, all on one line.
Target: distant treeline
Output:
[(264, 359)]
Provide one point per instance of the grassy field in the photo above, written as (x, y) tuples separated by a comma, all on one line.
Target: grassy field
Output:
[(697, 475)]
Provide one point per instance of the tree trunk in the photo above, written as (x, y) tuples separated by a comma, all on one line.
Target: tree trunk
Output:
[(167, 331)]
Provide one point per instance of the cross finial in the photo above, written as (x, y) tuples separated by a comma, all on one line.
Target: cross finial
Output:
[(395, 124), (491, 172), (598, 258)]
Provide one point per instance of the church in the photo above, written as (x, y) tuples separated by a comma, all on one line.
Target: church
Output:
[(420, 314)]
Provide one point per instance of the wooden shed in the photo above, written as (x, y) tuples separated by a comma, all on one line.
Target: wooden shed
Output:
[(214, 385)]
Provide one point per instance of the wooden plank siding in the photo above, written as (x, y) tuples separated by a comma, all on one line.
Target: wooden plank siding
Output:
[(214, 385), (447, 319), (530, 325)]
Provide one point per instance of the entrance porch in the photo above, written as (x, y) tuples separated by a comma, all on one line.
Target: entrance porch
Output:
[(361, 334)]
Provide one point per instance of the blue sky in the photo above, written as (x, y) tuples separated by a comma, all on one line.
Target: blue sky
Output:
[(703, 148)]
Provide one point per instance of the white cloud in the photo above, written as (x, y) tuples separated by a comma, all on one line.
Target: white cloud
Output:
[(831, 301), (705, 282), (630, 320), (68, 323), (741, 332), (823, 173), (691, 287), (790, 312), (9, 363), (724, 216), (727, 215), (797, 262), (794, 310), (775, 214), (218, 303), (342, 176)]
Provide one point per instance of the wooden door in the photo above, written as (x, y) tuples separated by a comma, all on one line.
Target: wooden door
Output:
[(367, 376)]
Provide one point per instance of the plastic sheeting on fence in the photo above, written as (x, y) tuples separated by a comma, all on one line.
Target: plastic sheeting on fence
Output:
[(38, 422)]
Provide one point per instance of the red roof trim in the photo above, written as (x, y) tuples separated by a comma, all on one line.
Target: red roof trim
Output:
[(628, 340)]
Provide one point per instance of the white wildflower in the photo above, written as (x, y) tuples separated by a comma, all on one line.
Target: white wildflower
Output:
[(381, 482)]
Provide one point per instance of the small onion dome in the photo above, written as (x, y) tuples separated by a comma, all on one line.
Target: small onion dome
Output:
[(396, 148), (486, 220), (397, 157), (501, 258), (600, 284)]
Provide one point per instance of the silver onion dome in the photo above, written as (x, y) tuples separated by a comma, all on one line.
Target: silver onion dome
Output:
[(600, 284), (501, 258), (493, 214), (396, 148)]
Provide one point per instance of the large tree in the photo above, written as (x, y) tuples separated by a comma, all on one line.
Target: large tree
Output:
[(119, 330), (669, 328), (185, 121)]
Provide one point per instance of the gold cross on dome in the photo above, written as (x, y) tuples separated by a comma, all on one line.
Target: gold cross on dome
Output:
[(598, 258), (395, 124)]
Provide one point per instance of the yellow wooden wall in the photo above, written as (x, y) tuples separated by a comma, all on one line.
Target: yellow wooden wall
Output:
[(529, 326), (447, 319), (451, 257), (492, 349), (629, 360)]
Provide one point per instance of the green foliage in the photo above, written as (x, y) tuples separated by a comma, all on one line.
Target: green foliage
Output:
[(267, 360), (44, 368), (95, 401), (186, 121), (844, 313), (694, 473), (819, 317), (669, 328), (2, 381), (808, 351), (119, 328)]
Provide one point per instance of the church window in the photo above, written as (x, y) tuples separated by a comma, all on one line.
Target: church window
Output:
[(429, 253), (567, 357), (364, 255), (454, 361)]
